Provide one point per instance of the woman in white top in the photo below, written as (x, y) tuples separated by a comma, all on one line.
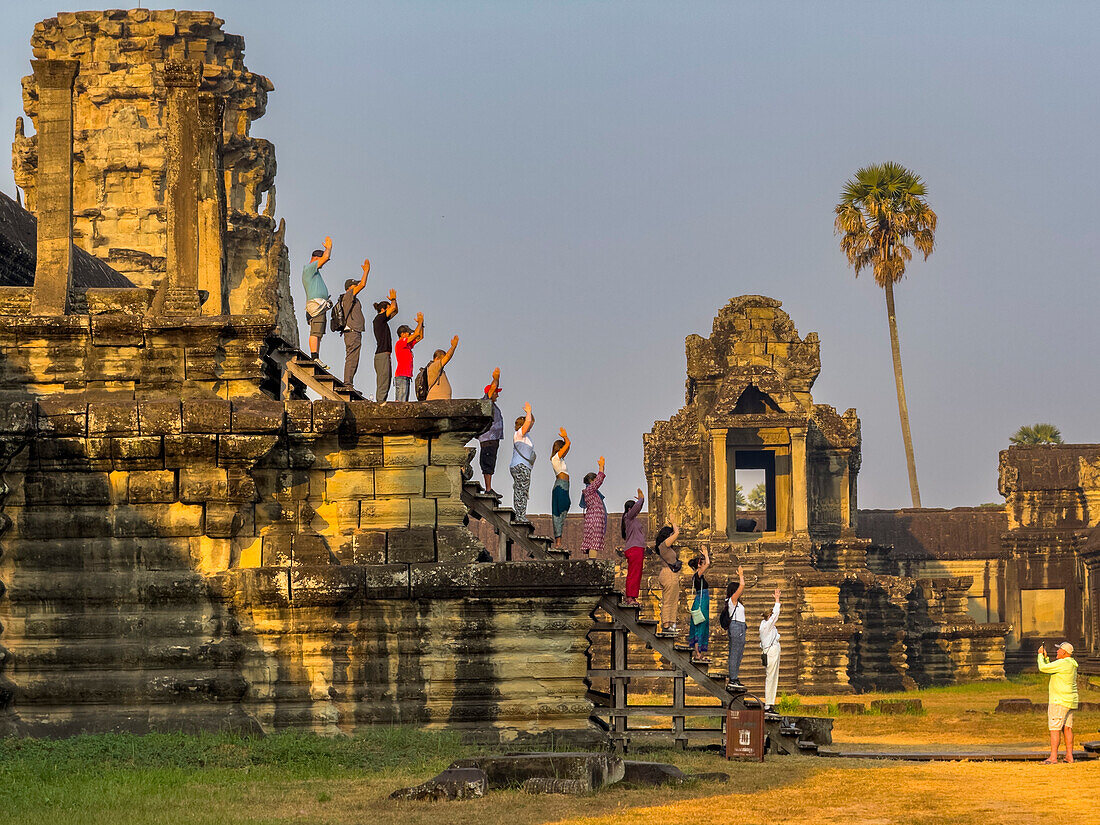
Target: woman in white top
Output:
[(736, 612), (523, 459), (559, 496), (769, 644)]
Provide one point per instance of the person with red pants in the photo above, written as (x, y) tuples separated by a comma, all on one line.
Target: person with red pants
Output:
[(633, 530)]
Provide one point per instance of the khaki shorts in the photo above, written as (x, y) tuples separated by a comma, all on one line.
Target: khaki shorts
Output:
[(1059, 717)]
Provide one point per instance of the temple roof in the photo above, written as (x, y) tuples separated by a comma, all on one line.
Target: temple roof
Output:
[(18, 253)]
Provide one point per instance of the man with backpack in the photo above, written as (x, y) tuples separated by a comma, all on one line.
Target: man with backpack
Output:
[(317, 300), (347, 319)]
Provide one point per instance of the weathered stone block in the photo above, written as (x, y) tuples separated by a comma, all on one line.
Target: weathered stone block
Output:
[(443, 482), (206, 415), (189, 450), (310, 549), (73, 522), (299, 415), (210, 555), (459, 783), (67, 488), (362, 452), (595, 770), (244, 449), (328, 416), (422, 512), (197, 485), (404, 451), (365, 547), (159, 417), (349, 484), (62, 415), (153, 487), (257, 416), (450, 513), (17, 416), (112, 418), (335, 518), (278, 550), (242, 487), (414, 545), (223, 520), (138, 452), (117, 330), (399, 482), (384, 513), (456, 545), (450, 448)]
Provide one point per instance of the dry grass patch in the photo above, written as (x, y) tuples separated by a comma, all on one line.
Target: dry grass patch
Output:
[(960, 793)]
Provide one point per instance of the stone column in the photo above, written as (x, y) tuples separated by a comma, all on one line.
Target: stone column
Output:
[(182, 185), (719, 479), (211, 205), (800, 501), (54, 197)]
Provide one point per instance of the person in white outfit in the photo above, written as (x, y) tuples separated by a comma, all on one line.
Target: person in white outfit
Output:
[(769, 643)]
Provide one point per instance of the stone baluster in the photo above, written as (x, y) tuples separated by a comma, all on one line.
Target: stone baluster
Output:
[(54, 269)]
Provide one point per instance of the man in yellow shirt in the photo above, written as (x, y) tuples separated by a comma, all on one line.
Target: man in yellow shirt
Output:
[(1061, 697)]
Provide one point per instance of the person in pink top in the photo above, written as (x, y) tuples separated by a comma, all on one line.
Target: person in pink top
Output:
[(403, 352), (595, 513), (633, 530)]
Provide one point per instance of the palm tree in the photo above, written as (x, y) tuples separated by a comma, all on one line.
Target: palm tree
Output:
[(1037, 434), (881, 209)]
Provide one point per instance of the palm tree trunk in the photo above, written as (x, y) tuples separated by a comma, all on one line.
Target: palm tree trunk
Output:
[(903, 409)]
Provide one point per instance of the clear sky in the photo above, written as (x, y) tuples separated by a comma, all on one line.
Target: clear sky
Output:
[(573, 188)]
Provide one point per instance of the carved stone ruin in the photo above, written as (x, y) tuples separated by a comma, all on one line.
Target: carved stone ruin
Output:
[(185, 543), (748, 406)]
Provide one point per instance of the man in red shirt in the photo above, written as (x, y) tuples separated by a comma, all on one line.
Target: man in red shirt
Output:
[(402, 350)]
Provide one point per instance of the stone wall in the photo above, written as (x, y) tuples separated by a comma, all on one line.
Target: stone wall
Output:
[(264, 565), (120, 111)]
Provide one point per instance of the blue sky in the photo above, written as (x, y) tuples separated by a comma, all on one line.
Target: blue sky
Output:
[(573, 188)]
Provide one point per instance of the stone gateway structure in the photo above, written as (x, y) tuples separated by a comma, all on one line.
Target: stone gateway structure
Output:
[(748, 406)]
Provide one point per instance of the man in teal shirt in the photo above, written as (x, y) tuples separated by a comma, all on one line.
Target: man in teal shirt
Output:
[(317, 300), (1061, 697)]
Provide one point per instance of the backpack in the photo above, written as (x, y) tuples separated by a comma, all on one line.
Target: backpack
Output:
[(338, 320), (724, 617), (421, 384)]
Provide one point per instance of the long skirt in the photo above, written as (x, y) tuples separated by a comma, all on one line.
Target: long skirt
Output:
[(559, 505), (699, 634)]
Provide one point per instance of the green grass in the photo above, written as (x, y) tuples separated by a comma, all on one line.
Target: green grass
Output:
[(123, 778)]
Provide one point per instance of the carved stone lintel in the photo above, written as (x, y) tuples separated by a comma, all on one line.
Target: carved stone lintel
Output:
[(55, 74), (182, 73)]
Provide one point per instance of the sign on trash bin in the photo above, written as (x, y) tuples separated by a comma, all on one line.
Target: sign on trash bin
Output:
[(745, 733)]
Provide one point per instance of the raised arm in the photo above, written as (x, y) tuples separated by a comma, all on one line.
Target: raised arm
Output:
[(600, 476), (528, 420), (418, 333), (638, 502), (740, 583), (774, 617), (671, 540), (565, 437), (494, 385), (362, 281), (328, 253), (704, 565), (391, 310), (449, 354)]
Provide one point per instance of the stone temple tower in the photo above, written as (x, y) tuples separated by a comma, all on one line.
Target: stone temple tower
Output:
[(150, 85), (749, 408)]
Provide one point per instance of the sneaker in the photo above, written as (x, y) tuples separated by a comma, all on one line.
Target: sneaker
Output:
[(666, 634), (735, 687), (700, 660)]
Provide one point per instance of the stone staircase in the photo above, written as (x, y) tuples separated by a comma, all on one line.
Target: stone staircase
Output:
[(613, 710), (516, 539), (300, 372)]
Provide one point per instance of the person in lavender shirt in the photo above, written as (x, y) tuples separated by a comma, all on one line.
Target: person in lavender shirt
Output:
[(633, 532)]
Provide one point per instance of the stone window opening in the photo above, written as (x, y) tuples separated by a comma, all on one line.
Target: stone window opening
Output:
[(752, 468)]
